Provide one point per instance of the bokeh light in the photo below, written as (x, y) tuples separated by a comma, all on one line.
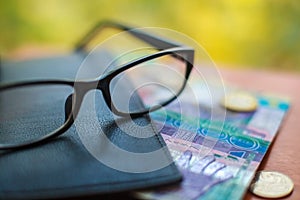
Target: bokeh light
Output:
[(243, 33)]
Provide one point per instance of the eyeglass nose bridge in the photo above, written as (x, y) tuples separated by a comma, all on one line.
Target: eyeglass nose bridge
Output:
[(74, 100)]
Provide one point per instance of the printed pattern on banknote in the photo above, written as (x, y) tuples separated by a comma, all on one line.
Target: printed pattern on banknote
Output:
[(216, 157)]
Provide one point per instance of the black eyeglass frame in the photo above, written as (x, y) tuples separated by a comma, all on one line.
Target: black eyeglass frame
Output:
[(74, 101)]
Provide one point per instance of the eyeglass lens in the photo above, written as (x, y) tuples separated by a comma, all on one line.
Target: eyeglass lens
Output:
[(31, 112), (155, 82)]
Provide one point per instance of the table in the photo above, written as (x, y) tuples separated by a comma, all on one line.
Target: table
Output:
[(284, 154)]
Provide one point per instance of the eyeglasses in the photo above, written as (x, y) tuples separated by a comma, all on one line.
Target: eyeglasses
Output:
[(48, 108)]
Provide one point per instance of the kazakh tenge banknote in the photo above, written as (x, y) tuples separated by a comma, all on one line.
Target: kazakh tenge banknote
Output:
[(217, 151)]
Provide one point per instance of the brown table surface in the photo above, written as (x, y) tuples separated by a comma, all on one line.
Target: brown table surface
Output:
[(284, 154)]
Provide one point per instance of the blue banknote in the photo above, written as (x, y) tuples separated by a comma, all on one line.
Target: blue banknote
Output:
[(218, 153)]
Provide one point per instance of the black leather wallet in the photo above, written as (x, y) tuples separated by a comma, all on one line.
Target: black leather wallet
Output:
[(64, 167)]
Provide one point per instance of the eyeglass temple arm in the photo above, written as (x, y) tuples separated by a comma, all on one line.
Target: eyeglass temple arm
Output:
[(155, 41)]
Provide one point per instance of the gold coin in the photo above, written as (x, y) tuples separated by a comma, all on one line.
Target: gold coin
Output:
[(270, 184), (240, 102)]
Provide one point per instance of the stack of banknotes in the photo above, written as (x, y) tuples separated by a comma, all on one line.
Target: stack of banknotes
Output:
[(217, 150)]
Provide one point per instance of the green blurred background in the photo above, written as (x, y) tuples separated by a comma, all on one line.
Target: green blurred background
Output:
[(244, 33)]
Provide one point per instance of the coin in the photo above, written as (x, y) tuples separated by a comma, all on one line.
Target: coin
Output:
[(270, 184), (240, 102)]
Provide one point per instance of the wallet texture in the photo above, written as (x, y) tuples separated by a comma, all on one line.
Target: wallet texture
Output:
[(64, 167)]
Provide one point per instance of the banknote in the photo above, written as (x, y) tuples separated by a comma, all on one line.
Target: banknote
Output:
[(217, 151)]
